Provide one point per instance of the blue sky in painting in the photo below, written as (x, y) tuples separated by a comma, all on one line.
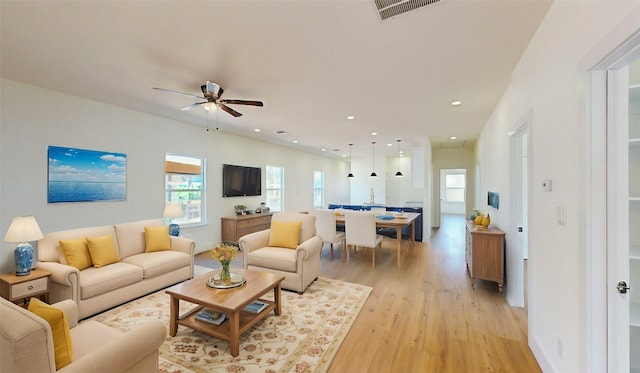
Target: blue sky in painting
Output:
[(79, 165)]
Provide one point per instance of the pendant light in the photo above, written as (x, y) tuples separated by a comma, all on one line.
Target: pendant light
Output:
[(398, 174), (373, 159), (350, 173)]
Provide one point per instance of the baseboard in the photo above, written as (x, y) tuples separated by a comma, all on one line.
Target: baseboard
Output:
[(541, 356)]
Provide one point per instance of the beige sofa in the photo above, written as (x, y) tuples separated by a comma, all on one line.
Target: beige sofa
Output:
[(138, 273), (26, 344)]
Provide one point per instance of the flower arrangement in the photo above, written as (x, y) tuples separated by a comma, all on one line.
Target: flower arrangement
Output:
[(224, 253)]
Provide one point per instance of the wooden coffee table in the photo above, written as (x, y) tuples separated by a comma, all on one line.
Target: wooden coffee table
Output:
[(230, 301)]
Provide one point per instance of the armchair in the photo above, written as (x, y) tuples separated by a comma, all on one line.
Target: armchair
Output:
[(27, 343), (299, 265)]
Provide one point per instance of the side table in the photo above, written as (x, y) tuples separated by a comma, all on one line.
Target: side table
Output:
[(19, 289)]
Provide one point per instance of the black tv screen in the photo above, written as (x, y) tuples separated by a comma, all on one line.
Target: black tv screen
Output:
[(241, 181)]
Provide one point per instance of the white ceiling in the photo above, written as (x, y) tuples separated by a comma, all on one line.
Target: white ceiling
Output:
[(312, 63)]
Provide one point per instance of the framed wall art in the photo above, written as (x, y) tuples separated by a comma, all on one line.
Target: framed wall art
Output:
[(80, 175)]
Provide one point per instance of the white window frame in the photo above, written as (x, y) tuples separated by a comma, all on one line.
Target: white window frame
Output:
[(195, 210), (318, 190), (271, 188)]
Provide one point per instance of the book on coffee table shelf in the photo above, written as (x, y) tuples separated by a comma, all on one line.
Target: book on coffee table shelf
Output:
[(256, 307), (211, 316)]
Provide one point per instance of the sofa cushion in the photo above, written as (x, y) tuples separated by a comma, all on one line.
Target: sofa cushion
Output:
[(95, 281), (285, 234), (49, 249), (130, 236), (156, 239), (76, 253), (102, 250), (275, 258), (62, 349), (159, 262)]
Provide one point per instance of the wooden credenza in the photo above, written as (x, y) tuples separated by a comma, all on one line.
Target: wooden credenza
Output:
[(236, 226), (485, 254)]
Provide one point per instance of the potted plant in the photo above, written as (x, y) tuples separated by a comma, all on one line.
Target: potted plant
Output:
[(240, 209)]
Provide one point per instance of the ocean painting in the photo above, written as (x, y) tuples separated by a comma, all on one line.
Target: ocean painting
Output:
[(79, 175)]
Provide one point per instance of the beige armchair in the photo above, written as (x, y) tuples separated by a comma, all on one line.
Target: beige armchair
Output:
[(27, 343), (299, 265)]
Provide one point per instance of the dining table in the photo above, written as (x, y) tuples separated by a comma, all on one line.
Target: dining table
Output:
[(395, 221)]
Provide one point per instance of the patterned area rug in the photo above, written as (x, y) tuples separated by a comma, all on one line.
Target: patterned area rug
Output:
[(304, 338)]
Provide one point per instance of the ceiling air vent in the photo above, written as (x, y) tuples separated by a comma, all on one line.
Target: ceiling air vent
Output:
[(390, 8)]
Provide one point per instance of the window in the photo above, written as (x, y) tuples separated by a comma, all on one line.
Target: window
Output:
[(274, 188), (455, 185), (318, 189), (184, 184)]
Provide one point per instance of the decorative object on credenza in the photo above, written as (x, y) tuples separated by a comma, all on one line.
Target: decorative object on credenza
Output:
[(224, 254), (473, 214), (486, 220), (172, 211), (240, 209), (79, 175), (22, 230)]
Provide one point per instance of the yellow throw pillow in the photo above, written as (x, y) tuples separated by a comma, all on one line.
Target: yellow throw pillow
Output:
[(285, 234), (57, 320), (76, 253), (157, 239), (103, 250)]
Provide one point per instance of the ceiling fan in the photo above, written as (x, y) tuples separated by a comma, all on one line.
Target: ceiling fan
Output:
[(211, 93)]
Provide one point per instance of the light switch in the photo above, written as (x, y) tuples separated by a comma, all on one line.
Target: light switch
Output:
[(561, 215), (546, 185)]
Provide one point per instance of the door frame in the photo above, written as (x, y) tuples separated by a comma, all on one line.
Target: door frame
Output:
[(604, 319), (443, 176)]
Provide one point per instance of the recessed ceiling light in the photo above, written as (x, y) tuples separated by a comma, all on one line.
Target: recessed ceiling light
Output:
[(389, 144), (350, 117), (324, 150), (453, 138), (256, 130), (374, 133), (456, 102), (295, 141)]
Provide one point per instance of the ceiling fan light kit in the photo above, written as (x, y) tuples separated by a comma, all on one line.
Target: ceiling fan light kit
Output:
[(211, 93)]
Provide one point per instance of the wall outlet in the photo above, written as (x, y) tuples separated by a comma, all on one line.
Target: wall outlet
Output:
[(559, 347)]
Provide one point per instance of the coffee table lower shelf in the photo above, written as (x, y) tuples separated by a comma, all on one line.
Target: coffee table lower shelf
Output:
[(223, 331)]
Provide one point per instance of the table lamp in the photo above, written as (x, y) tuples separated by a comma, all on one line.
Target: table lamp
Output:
[(171, 211), (22, 230)]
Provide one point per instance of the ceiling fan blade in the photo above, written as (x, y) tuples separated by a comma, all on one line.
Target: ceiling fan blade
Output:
[(177, 93), (242, 102), (193, 105), (229, 110)]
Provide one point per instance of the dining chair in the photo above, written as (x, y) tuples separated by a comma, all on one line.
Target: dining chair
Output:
[(326, 229), (360, 231)]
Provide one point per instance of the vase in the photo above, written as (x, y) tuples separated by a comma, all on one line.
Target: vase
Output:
[(225, 274)]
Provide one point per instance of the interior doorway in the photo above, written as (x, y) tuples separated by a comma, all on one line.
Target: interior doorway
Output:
[(453, 191)]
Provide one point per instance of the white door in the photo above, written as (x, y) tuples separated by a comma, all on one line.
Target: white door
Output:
[(519, 227), (453, 191), (623, 218)]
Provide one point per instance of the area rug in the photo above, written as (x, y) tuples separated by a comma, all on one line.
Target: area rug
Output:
[(304, 338)]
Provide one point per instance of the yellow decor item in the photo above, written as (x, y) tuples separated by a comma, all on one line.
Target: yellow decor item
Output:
[(157, 239), (103, 250), (486, 220), (225, 254), (478, 219), (62, 349), (285, 234), (76, 253)]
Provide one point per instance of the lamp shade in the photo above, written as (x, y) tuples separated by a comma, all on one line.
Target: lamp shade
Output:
[(173, 210), (23, 229)]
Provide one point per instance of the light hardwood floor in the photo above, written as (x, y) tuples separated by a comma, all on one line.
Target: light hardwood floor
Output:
[(425, 317)]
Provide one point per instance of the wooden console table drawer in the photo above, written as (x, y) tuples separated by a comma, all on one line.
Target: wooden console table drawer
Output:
[(20, 288), (234, 227)]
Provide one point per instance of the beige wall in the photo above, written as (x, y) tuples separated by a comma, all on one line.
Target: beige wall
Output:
[(58, 119), (551, 83), (452, 158)]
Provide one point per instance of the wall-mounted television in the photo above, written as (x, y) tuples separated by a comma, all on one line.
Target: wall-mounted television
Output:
[(240, 181)]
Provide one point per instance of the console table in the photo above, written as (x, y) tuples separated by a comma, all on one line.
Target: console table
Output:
[(484, 254), (236, 226)]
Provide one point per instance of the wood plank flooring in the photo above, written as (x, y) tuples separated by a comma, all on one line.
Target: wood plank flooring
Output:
[(425, 316)]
